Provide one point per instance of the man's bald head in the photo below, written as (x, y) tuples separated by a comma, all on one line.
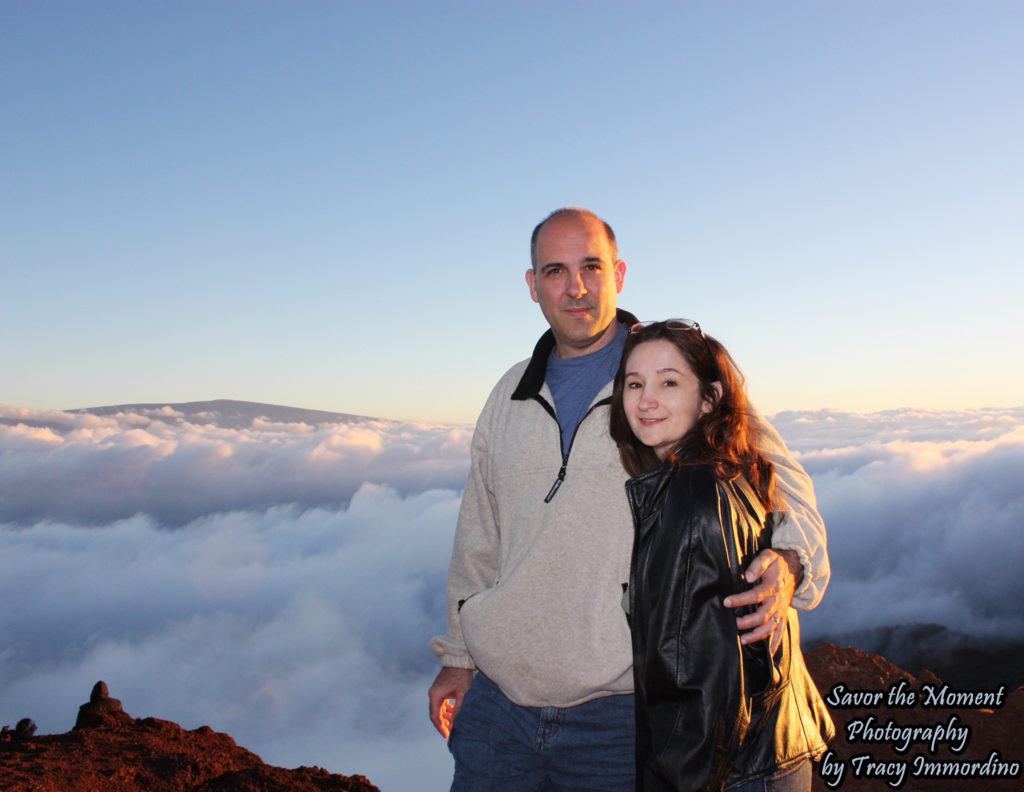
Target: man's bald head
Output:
[(577, 212)]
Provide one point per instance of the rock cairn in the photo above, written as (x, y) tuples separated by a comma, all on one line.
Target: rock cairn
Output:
[(101, 709)]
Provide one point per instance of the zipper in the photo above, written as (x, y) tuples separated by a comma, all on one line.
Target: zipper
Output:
[(565, 457), (560, 479)]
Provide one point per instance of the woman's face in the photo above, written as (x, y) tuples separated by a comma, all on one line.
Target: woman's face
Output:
[(661, 396)]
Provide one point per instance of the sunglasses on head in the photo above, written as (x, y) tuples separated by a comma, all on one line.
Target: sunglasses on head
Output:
[(675, 324), (671, 324)]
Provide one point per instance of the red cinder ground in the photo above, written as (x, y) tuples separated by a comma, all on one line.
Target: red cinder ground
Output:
[(991, 729), (118, 753)]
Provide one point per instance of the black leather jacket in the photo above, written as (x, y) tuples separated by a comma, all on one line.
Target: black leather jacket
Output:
[(711, 714)]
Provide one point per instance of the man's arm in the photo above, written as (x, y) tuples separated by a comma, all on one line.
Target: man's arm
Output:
[(796, 570), (473, 568)]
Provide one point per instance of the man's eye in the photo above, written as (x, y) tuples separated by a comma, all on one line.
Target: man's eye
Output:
[(553, 271)]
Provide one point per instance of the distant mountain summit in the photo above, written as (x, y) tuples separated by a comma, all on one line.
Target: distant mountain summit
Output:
[(226, 413)]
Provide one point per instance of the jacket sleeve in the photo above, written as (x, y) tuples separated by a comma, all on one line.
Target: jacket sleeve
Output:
[(800, 527), (474, 564)]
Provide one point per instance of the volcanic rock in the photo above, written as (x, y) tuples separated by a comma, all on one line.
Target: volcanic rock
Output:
[(101, 709), (109, 750), (991, 729)]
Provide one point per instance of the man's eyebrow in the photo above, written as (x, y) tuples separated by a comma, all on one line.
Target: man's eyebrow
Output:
[(586, 260)]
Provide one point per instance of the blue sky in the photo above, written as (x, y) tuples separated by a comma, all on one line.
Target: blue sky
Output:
[(328, 205)]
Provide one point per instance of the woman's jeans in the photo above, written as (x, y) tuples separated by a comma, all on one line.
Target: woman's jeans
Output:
[(793, 779)]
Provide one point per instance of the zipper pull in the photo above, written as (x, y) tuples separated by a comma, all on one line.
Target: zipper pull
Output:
[(558, 482)]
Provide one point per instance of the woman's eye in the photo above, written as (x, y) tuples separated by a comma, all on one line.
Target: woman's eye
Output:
[(632, 385), (670, 383)]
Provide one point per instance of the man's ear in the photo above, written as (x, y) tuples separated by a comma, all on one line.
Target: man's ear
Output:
[(707, 406), (531, 281), (620, 275)]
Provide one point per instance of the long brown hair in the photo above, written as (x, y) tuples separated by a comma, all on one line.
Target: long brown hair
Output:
[(726, 437)]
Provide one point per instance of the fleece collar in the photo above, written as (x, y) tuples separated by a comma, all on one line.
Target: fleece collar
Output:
[(533, 378)]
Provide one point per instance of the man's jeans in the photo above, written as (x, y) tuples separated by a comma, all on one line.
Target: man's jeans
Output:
[(503, 747)]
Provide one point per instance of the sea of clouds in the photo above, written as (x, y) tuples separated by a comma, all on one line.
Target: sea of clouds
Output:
[(279, 582)]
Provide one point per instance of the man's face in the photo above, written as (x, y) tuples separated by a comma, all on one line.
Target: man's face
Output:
[(576, 283)]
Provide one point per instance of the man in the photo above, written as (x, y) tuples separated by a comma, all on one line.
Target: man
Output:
[(543, 542)]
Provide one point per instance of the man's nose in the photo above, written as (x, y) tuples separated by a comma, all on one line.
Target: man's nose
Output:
[(577, 288)]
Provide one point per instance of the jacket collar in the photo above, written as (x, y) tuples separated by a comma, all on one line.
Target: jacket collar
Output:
[(533, 378)]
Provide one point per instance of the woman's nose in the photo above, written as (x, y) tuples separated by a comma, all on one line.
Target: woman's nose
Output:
[(647, 400)]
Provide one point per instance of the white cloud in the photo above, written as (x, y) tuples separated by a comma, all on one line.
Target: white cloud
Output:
[(302, 633), (83, 468), (280, 582), (924, 512)]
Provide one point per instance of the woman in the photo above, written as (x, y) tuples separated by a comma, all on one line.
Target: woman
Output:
[(712, 714)]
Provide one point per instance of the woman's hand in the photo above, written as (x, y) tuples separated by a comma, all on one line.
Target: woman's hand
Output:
[(779, 573)]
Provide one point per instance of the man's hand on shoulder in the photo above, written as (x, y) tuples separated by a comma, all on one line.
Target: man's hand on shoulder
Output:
[(446, 695), (779, 573)]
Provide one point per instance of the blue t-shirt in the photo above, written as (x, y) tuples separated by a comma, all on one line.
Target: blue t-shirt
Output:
[(574, 382)]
